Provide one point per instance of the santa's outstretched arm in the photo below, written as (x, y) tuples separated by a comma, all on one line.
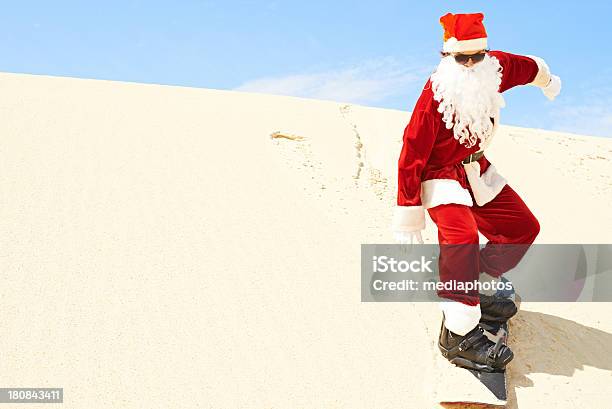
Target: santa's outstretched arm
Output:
[(527, 70)]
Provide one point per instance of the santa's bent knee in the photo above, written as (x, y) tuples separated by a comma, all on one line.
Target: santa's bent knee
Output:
[(531, 229), (523, 231), (535, 228)]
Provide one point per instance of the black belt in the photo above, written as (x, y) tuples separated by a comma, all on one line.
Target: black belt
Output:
[(473, 157)]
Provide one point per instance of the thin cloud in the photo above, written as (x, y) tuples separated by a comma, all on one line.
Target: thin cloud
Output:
[(369, 82), (588, 114), (595, 120)]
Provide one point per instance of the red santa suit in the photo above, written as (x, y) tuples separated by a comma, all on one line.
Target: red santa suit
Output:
[(465, 198), (430, 166)]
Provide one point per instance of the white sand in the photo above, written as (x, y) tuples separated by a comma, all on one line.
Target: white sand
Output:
[(159, 249)]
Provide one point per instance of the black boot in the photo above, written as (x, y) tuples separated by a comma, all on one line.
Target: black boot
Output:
[(474, 350), (496, 309)]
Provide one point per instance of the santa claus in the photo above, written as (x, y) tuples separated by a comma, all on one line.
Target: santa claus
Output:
[(443, 169)]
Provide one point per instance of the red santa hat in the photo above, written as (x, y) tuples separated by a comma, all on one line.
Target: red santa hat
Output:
[(463, 32)]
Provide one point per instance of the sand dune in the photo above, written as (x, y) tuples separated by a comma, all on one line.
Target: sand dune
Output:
[(160, 248)]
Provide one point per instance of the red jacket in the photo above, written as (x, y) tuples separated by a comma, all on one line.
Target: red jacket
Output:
[(430, 169)]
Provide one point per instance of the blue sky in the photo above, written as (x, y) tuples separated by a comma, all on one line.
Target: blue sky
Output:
[(376, 53)]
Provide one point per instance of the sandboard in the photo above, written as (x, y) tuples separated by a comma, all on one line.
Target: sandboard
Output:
[(479, 389)]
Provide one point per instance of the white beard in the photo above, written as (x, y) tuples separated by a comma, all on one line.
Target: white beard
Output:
[(469, 98)]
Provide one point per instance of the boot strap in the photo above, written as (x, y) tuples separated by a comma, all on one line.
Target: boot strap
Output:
[(493, 352), (471, 340)]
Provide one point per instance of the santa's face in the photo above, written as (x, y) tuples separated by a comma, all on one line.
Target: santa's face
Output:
[(468, 95), (469, 58)]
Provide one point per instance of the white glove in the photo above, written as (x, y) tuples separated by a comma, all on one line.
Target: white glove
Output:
[(404, 237), (553, 88)]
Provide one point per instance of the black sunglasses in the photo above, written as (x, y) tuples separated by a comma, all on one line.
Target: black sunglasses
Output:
[(463, 58)]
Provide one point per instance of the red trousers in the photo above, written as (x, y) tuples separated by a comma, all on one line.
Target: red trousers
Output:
[(506, 222)]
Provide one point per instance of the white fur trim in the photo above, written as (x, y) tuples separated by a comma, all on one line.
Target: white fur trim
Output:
[(460, 318), (542, 78), (408, 219), (452, 45), (485, 187), (435, 192)]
